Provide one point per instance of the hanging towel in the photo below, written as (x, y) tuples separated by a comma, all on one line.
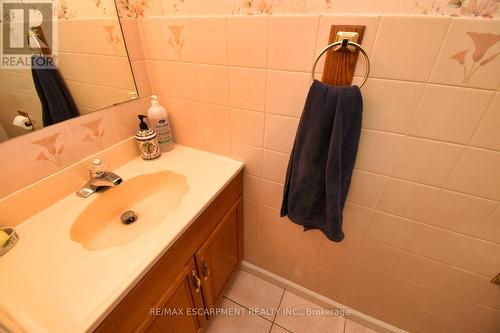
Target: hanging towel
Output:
[(322, 159), (57, 103)]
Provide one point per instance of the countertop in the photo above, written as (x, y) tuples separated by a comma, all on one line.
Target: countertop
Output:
[(49, 283)]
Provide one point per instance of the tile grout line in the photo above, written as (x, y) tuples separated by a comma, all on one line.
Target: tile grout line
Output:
[(246, 308), (456, 85)]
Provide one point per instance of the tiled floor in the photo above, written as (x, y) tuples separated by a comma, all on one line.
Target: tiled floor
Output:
[(252, 305)]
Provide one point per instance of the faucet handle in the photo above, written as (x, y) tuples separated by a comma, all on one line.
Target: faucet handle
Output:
[(97, 167)]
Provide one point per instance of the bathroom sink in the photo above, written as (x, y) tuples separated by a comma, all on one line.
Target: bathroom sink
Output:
[(151, 197)]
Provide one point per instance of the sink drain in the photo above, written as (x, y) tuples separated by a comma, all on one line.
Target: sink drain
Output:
[(129, 217)]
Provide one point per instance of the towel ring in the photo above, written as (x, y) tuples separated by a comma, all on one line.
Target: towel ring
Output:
[(343, 45)]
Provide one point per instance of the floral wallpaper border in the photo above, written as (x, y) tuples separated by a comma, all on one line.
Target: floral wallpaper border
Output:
[(456, 8), (71, 9)]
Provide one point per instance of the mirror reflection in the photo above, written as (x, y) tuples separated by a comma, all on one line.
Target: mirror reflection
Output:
[(91, 73)]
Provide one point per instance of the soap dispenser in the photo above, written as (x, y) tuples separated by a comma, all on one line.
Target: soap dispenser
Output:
[(147, 141), (158, 120)]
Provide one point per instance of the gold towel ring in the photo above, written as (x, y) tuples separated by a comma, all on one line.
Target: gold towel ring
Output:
[(343, 46)]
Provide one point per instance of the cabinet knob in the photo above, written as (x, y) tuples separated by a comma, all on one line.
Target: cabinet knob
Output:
[(204, 268), (196, 281)]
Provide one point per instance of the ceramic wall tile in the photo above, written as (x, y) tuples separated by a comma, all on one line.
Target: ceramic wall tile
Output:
[(450, 114), (284, 244), (247, 39), (271, 193), (173, 79), (184, 114), (252, 157), (247, 127), (439, 244), (448, 306), (395, 52), (392, 230), (247, 88), (378, 150), (211, 50), (280, 133), (270, 218), (217, 146), (383, 111), (45, 152), (294, 52), (356, 219), (191, 139), (275, 165), (455, 280), (15, 174), (487, 134), (211, 84), (425, 321), (215, 120), (481, 257), (378, 255), (407, 199), (492, 298), (425, 161), (166, 38), (93, 132), (483, 319), (286, 92), (469, 54), (366, 188), (419, 269), (476, 173), (460, 212), (251, 231), (491, 229)]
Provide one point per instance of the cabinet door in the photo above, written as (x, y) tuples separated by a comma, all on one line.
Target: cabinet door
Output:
[(220, 254), (176, 315)]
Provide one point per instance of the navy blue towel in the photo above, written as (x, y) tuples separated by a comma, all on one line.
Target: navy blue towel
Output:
[(57, 103), (322, 159)]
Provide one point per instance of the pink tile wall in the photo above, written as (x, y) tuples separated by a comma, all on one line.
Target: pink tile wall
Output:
[(422, 220)]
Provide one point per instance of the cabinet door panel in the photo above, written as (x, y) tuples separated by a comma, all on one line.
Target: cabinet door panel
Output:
[(175, 315), (219, 256)]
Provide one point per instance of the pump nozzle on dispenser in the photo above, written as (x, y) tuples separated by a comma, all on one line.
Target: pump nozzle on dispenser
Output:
[(143, 125)]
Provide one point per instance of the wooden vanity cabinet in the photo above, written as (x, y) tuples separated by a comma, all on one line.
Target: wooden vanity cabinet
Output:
[(190, 275)]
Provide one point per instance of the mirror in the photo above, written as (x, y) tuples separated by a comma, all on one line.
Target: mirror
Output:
[(93, 70)]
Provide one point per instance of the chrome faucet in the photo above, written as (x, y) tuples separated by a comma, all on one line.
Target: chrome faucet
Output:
[(100, 179)]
